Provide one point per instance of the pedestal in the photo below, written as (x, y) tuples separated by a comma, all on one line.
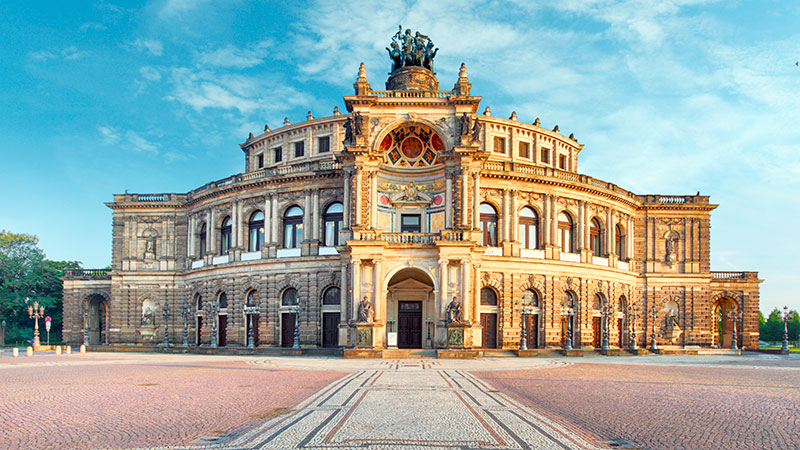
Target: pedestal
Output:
[(455, 335), (364, 335)]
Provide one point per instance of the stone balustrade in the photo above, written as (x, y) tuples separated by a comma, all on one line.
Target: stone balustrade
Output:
[(87, 274)]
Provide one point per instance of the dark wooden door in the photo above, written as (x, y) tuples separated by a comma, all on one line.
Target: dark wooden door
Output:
[(330, 329), (199, 330), (287, 329), (489, 324), (222, 332), (409, 325), (564, 330), (597, 331), (620, 331), (532, 330)]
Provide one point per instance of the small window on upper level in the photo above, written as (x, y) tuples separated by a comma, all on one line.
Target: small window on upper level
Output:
[(278, 154), (260, 161), (545, 158), (299, 149), (499, 144), (562, 162), (524, 149), (324, 144)]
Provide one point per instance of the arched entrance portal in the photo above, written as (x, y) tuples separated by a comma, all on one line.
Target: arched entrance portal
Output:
[(724, 314), (97, 320), (410, 308)]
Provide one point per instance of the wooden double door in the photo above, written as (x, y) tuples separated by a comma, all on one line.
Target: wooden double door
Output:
[(330, 329), (489, 324), (409, 324), (532, 330), (287, 329), (597, 332)]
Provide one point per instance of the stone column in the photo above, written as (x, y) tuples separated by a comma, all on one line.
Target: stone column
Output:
[(306, 216), (242, 228), (189, 237), (476, 202), (546, 220), (347, 196), (358, 198), (356, 288), (581, 244), (315, 207), (585, 224), (234, 223), (448, 202), (553, 218), (343, 295), (476, 294), (514, 216), (275, 219), (629, 236), (373, 197), (464, 213), (267, 220), (441, 301), (610, 233), (210, 231), (506, 217), (377, 300)]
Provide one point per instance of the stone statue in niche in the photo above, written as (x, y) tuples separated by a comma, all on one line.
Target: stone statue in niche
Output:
[(476, 131), (365, 311), (148, 317), (672, 247), (464, 125), (672, 329), (454, 311), (150, 247)]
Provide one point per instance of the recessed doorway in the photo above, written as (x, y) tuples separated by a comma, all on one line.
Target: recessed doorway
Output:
[(409, 324)]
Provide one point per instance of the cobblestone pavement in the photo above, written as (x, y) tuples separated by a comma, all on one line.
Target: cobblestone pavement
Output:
[(134, 400), (710, 405)]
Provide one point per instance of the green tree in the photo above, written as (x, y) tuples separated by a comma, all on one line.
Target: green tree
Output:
[(772, 329), (27, 276)]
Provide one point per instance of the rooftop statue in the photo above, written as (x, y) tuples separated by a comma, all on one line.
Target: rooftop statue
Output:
[(411, 51)]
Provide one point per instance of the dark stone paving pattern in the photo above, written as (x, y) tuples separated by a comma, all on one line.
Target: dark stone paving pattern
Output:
[(652, 406)]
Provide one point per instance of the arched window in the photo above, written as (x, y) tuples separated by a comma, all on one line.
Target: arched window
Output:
[(571, 300), (488, 225), (222, 301), (488, 297), (530, 298), (293, 227), (619, 243), (289, 297), (332, 296), (566, 233), (528, 228), (252, 300), (203, 240), (199, 302), (256, 226), (333, 224), (225, 236), (595, 243)]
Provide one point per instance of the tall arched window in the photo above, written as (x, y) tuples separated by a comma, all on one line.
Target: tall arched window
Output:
[(199, 302), (488, 225), (595, 243), (225, 236), (256, 226), (203, 240), (566, 232), (289, 297), (488, 297), (333, 224), (332, 296), (528, 228), (293, 227), (222, 301), (251, 299), (619, 242)]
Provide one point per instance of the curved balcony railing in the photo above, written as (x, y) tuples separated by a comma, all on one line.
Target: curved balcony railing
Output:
[(87, 274), (409, 238), (734, 276)]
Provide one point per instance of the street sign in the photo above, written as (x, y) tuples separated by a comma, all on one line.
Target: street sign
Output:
[(47, 323)]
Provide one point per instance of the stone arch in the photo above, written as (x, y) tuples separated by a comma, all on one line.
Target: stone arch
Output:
[(445, 134), (392, 272)]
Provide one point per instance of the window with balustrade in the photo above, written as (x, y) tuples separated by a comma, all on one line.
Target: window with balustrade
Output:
[(225, 235), (256, 231), (293, 227), (528, 228)]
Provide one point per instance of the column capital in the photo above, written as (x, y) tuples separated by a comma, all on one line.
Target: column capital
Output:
[(444, 262)]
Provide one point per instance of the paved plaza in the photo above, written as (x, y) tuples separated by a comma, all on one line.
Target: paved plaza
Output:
[(126, 400)]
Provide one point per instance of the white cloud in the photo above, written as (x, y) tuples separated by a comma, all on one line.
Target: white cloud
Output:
[(109, 135), (139, 143), (129, 139), (234, 57), (68, 54), (91, 26), (150, 73), (152, 46), (173, 8)]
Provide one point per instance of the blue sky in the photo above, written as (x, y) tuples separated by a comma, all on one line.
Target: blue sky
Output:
[(669, 97)]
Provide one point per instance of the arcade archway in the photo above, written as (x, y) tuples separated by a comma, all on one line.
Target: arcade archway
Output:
[(410, 308)]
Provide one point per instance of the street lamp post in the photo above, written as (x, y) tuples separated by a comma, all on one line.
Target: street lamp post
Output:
[(185, 314), (653, 347), (523, 337), (606, 312), (250, 343), (213, 311), (86, 328), (733, 316), (4, 333), (785, 346), (165, 313), (296, 343), (632, 316), (568, 342), (35, 312)]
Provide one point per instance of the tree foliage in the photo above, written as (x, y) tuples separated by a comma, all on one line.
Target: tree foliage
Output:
[(772, 328), (27, 276)]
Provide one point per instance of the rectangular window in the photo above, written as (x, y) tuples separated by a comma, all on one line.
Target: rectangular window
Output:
[(545, 156), (562, 162), (499, 145), (299, 149), (278, 154), (324, 144), (410, 223), (523, 150), (260, 160)]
